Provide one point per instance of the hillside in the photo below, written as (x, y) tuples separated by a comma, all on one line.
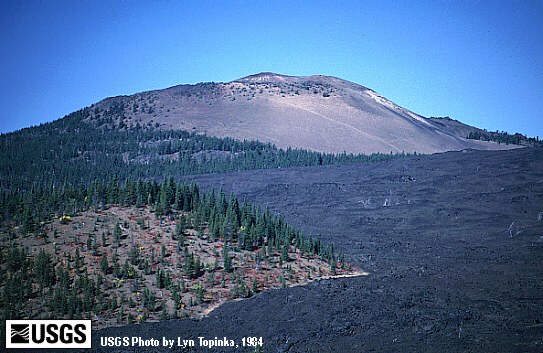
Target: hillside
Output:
[(180, 254), (317, 113), (452, 243), (68, 153)]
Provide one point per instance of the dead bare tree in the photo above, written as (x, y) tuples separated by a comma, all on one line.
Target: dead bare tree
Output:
[(510, 230)]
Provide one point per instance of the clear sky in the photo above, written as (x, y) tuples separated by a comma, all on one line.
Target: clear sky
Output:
[(480, 62)]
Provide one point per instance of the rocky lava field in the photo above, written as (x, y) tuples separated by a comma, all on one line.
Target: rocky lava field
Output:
[(452, 242)]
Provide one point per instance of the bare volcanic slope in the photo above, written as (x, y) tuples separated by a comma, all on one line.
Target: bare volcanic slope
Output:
[(318, 113)]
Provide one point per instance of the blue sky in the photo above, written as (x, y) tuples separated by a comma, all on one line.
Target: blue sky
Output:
[(480, 62)]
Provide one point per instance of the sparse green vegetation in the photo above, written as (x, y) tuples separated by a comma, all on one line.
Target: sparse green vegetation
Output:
[(505, 138), (205, 249)]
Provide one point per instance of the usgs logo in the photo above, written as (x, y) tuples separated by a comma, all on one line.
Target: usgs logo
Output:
[(48, 333)]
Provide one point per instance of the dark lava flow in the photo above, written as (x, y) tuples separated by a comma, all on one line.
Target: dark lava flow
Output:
[(453, 243)]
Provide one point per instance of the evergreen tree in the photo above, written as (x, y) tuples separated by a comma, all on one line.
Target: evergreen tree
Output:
[(104, 264), (227, 259), (44, 271)]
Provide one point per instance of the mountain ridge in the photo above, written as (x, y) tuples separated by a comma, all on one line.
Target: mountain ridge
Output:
[(317, 113)]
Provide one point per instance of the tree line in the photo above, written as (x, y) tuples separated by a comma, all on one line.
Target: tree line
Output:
[(72, 151), (223, 215), (505, 138)]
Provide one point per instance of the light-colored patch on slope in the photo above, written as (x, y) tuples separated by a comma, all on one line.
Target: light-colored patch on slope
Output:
[(372, 137), (383, 101)]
